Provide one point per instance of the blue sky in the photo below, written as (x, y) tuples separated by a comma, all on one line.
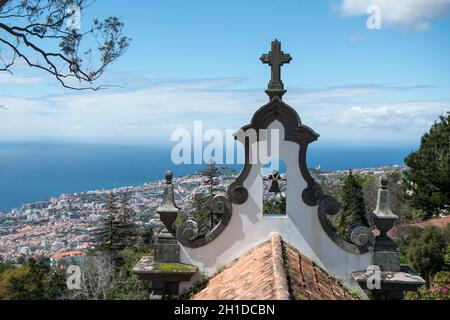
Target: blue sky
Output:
[(199, 60)]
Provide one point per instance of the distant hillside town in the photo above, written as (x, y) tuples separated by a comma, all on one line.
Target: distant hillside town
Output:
[(63, 227)]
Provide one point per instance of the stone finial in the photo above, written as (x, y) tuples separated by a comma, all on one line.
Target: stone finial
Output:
[(164, 270), (393, 279), (166, 248), (168, 211), (384, 182), (383, 208), (169, 176), (385, 254)]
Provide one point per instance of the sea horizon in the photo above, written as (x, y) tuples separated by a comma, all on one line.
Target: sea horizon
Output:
[(38, 171)]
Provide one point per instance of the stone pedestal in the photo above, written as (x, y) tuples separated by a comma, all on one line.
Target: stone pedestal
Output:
[(164, 270), (385, 254), (165, 277), (386, 279), (392, 285), (167, 249)]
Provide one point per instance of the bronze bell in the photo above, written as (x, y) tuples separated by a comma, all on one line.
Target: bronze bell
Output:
[(274, 186)]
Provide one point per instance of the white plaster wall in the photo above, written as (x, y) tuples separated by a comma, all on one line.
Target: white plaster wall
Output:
[(300, 227)]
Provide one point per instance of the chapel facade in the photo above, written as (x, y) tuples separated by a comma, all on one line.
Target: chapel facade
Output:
[(252, 254)]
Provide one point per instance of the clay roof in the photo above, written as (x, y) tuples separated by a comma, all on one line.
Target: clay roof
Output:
[(439, 222), (67, 254), (274, 270)]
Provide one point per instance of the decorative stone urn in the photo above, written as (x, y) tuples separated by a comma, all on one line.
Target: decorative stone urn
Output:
[(164, 270), (386, 279)]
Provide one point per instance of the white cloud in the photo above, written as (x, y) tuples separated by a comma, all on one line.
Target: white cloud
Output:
[(142, 115), (394, 117), (10, 79), (151, 113), (411, 14), (356, 37)]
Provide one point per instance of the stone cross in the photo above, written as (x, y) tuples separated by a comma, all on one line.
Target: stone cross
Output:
[(276, 58)]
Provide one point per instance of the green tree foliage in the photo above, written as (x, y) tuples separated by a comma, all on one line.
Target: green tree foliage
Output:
[(127, 286), (447, 258), (275, 206), (404, 236), (201, 203), (34, 280), (353, 210), (439, 289), (103, 278), (145, 240), (39, 34), (211, 173), (5, 266), (427, 180), (201, 212), (106, 272), (12, 283), (329, 186), (127, 232), (425, 251), (117, 231)]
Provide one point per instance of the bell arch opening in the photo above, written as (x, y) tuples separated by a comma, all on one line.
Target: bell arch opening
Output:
[(274, 197)]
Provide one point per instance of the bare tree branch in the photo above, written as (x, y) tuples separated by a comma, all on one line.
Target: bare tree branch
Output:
[(38, 32)]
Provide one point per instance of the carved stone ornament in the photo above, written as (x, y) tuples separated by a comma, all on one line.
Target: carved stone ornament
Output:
[(188, 230), (360, 236), (295, 132), (188, 234)]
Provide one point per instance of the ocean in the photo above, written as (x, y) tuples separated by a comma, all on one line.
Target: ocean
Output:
[(32, 172)]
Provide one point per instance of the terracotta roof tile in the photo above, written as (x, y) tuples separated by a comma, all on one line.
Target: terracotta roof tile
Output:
[(439, 222), (274, 270), (67, 254)]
